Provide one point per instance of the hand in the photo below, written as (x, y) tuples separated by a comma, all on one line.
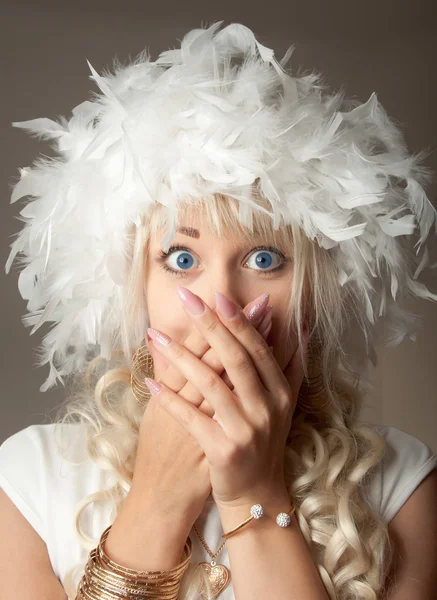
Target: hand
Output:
[(245, 448), (171, 470), (197, 345)]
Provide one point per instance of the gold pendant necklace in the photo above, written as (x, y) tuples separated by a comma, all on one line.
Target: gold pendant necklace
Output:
[(219, 575)]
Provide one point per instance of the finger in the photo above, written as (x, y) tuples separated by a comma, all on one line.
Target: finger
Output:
[(255, 347), (206, 431), (198, 345), (235, 359), (294, 371), (190, 392), (206, 380), (244, 353)]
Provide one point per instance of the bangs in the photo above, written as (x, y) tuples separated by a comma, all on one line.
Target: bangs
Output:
[(220, 214)]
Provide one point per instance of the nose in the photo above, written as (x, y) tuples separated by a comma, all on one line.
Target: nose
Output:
[(230, 291)]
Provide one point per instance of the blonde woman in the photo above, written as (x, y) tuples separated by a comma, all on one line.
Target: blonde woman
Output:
[(213, 232)]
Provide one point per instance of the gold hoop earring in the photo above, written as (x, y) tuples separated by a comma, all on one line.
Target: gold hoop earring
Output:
[(142, 367), (313, 386)]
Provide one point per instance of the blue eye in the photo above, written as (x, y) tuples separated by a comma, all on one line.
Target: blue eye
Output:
[(184, 260), (263, 259)]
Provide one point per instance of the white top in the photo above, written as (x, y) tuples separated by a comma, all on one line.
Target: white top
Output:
[(46, 489)]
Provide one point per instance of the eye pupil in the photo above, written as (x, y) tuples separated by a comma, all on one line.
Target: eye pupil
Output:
[(263, 259), (183, 259)]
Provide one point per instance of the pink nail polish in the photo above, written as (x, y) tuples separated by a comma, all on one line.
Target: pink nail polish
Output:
[(226, 306), (260, 304), (154, 387), (192, 303), (266, 318), (266, 330), (158, 336)]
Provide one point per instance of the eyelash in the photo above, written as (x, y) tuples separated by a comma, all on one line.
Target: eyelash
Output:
[(164, 255)]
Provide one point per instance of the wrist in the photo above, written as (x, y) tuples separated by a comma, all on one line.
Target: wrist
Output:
[(143, 537), (273, 501), (145, 507)]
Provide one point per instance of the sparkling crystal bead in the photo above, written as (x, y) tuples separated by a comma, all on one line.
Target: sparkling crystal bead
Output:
[(283, 520), (257, 511)]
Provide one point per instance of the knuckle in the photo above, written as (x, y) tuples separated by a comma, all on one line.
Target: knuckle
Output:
[(240, 324), (231, 453), (283, 399), (225, 454), (212, 325), (187, 415), (247, 437), (263, 420), (178, 351), (212, 381), (241, 361), (261, 351)]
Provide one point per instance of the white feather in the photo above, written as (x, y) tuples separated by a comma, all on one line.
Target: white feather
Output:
[(216, 115)]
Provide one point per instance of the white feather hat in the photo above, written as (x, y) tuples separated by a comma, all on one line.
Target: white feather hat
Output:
[(215, 115)]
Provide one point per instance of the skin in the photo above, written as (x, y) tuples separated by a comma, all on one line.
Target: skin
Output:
[(173, 477), (217, 264), (239, 458)]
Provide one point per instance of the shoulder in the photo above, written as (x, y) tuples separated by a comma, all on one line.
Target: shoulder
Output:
[(38, 464), (406, 463), (50, 443), (413, 534)]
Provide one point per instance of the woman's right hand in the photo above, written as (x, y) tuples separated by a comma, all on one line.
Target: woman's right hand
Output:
[(197, 345), (171, 470)]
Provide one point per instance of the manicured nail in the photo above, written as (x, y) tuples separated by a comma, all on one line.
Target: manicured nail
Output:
[(266, 330), (192, 303), (266, 318), (154, 387), (259, 306), (226, 306), (158, 336)]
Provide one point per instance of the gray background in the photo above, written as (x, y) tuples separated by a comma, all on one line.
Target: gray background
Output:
[(387, 47)]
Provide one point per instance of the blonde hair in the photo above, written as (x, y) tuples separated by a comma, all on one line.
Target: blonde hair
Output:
[(329, 455)]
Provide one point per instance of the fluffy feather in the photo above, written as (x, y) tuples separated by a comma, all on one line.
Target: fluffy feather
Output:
[(214, 116)]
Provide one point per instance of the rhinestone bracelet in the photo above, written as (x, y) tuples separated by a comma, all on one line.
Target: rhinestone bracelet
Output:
[(256, 512)]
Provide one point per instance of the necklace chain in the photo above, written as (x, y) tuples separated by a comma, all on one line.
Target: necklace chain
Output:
[(204, 544)]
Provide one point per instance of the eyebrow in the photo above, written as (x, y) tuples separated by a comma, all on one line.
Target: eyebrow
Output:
[(190, 231)]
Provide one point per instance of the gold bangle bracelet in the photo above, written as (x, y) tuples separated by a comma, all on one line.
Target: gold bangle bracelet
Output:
[(138, 575), (247, 521), (112, 582), (105, 579)]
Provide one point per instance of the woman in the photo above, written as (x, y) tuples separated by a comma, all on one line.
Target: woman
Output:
[(195, 428)]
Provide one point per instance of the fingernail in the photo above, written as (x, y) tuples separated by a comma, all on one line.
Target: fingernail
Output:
[(266, 329), (192, 303), (267, 318), (259, 304), (154, 387), (226, 306), (158, 336)]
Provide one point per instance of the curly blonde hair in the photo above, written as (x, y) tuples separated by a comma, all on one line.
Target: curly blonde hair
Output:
[(329, 455)]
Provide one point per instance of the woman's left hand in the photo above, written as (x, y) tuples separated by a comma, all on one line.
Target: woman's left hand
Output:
[(245, 442)]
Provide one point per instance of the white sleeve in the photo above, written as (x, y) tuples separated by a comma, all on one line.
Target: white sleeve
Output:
[(405, 465), (21, 476)]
